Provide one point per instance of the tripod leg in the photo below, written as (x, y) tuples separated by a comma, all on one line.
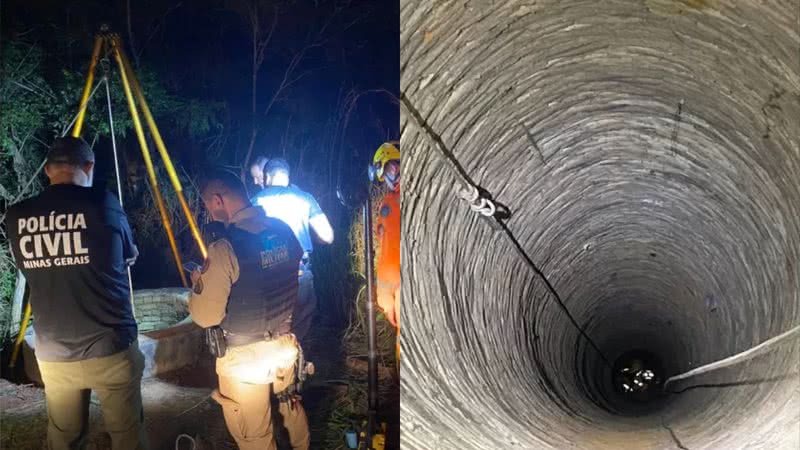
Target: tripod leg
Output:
[(137, 125), (98, 45)]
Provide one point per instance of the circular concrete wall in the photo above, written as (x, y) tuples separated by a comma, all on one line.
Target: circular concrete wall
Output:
[(168, 338), (157, 309), (649, 154)]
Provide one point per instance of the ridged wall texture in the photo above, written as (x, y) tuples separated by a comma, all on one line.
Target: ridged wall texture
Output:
[(649, 154)]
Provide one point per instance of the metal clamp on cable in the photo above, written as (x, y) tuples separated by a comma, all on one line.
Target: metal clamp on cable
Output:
[(478, 201), (105, 66)]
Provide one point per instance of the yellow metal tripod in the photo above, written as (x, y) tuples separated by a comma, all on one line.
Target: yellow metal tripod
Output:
[(107, 43)]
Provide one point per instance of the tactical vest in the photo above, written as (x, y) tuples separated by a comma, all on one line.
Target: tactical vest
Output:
[(263, 297)]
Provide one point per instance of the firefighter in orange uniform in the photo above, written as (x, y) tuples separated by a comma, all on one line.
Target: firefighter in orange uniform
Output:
[(386, 165)]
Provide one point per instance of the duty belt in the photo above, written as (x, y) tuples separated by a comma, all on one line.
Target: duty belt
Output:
[(236, 340)]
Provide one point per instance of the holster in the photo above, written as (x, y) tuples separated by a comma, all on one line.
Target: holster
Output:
[(303, 368), (215, 341)]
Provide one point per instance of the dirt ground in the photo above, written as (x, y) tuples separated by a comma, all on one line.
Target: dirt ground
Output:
[(179, 403), (170, 409)]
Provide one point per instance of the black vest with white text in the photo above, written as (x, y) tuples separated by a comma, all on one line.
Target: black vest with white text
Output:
[(263, 297)]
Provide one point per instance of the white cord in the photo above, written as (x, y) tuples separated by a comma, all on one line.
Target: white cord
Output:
[(181, 436), (86, 105), (113, 139), (735, 359), (470, 194), (119, 183)]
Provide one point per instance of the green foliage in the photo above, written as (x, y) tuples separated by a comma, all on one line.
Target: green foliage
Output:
[(191, 116), (27, 104), (199, 118), (27, 108), (27, 98), (356, 235), (8, 280)]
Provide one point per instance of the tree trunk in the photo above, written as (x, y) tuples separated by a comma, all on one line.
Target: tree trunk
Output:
[(254, 128)]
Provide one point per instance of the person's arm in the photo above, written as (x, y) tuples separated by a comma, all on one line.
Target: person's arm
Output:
[(211, 285), (322, 228), (319, 222), (116, 218), (130, 251)]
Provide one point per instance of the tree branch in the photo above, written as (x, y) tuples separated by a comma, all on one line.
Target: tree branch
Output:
[(130, 33), (160, 24), (259, 44)]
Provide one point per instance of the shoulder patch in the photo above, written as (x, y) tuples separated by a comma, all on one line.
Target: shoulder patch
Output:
[(215, 231)]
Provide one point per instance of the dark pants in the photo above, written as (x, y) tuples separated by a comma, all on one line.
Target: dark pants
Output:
[(306, 304)]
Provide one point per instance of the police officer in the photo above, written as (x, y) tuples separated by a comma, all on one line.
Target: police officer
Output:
[(302, 213), (257, 171), (246, 290), (73, 244)]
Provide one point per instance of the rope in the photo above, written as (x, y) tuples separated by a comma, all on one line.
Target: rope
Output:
[(735, 359), (181, 436), (86, 105), (481, 203), (116, 169), (195, 405)]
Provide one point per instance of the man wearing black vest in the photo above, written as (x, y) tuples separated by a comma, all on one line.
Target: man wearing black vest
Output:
[(247, 287), (73, 244)]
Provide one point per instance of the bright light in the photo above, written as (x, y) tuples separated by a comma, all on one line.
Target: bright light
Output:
[(286, 207), (279, 178), (258, 363)]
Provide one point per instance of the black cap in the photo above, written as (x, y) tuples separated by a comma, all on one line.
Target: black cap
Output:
[(70, 150), (276, 164)]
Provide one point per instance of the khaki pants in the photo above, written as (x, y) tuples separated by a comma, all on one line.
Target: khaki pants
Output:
[(247, 410), (116, 380)]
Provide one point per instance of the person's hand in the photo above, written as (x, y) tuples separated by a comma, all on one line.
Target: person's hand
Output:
[(390, 317), (197, 282), (132, 260)]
